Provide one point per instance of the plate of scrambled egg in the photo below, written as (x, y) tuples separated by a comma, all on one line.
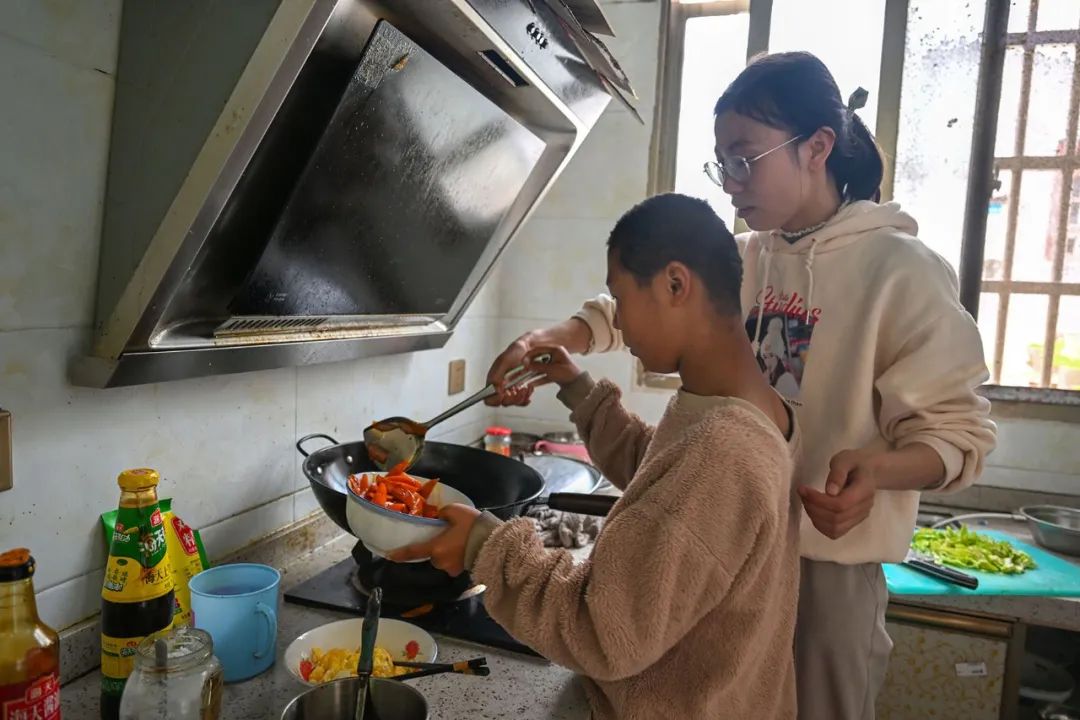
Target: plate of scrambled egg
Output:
[(331, 651)]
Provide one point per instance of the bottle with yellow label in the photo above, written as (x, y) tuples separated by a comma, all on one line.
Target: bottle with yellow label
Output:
[(137, 598)]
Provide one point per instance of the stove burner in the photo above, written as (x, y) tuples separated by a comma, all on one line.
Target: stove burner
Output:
[(406, 584), (338, 588)]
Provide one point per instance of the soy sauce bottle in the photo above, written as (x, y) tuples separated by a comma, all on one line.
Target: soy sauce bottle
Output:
[(29, 649), (137, 596)]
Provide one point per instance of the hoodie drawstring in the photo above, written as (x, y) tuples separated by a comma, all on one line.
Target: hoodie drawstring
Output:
[(810, 278), (756, 345)]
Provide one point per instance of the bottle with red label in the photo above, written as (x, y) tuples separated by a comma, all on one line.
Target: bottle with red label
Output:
[(29, 649)]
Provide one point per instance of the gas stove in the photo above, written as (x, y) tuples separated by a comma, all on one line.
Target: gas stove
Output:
[(414, 592)]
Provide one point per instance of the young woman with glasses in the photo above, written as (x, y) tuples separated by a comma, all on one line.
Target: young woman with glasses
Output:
[(864, 324)]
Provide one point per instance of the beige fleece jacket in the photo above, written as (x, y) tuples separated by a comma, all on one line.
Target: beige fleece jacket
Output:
[(861, 326), (686, 607)]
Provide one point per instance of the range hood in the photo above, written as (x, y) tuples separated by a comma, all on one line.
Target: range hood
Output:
[(303, 181)]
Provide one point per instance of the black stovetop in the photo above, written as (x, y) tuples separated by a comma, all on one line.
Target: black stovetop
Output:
[(337, 589)]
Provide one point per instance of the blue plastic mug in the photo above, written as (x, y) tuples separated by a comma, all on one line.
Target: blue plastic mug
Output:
[(237, 604)]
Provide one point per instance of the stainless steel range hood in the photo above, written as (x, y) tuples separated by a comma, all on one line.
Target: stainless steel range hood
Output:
[(303, 181)]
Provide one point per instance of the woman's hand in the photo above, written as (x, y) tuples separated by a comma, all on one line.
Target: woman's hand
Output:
[(446, 550), (559, 369), (573, 334), (849, 493)]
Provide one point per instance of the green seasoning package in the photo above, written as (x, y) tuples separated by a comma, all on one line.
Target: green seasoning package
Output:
[(185, 552)]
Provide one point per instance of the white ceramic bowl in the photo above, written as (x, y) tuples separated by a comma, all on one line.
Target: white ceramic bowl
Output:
[(393, 635), (383, 530)]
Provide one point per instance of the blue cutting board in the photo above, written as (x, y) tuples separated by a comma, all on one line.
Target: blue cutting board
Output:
[(1053, 577)]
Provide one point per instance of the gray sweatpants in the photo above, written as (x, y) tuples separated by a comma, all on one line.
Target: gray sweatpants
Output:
[(841, 646)]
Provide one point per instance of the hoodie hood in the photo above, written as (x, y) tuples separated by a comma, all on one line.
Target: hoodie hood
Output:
[(848, 225)]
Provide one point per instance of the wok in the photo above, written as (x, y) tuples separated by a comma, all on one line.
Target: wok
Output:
[(503, 486), (498, 484)]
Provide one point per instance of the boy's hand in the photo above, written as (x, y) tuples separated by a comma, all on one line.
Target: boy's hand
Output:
[(560, 370), (446, 550), (849, 493)]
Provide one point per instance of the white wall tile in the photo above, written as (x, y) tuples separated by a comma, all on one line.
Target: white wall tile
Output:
[(222, 445), (635, 46), (54, 131), (554, 265), (607, 176), (243, 528), (1043, 446), (69, 602), (83, 33)]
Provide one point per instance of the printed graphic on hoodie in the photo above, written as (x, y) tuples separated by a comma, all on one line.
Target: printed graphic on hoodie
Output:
[(783, 338)]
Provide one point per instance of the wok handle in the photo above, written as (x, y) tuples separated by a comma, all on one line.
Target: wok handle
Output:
[(581, 503), (301, 441)]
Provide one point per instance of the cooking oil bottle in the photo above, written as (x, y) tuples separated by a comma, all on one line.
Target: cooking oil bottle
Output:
[(29, 649), (137, 596)]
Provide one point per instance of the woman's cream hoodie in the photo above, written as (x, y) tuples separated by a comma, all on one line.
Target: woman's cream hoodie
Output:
[(863, 329)]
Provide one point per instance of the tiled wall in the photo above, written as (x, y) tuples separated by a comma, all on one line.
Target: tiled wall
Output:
[(224, 445), (559, 260)]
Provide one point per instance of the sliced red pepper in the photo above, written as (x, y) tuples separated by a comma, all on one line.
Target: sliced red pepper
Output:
[(380, 494), (412, 501), (425, 490)]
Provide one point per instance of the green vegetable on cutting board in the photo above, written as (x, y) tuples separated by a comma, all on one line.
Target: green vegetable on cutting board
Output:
[(966, 548)]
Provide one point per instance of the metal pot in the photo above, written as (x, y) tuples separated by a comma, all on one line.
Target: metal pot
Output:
[(387, 700), (1054, 527)]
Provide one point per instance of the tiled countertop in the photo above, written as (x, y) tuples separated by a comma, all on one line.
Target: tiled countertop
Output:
[(519, 686)]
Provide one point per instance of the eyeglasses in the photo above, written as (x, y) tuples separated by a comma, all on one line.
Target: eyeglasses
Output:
[(737, 167)]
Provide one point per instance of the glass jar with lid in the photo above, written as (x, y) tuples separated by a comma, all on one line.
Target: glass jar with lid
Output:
[(497, 440), (176, 677)]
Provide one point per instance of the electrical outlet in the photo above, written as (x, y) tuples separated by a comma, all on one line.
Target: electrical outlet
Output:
[(456, 381), (7, 476)]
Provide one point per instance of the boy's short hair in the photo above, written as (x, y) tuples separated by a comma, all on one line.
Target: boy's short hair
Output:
[(678, 228)]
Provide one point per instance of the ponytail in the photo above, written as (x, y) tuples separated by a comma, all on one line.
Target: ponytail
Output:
[(795, 92), (855, 162)]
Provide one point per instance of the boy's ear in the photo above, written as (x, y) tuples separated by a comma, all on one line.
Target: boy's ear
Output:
[(677, 277)]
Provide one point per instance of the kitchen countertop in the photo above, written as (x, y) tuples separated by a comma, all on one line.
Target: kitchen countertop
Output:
[(519, 686), (1056, 612)]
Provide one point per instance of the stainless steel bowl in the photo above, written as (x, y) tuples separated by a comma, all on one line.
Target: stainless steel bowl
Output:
[(387, 700), (1054, 527)]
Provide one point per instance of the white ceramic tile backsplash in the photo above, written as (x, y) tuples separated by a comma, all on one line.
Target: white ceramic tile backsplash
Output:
[(55, 131), (82, 33)]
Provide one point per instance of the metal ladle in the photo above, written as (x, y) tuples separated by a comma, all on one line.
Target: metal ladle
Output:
[(397, 439)]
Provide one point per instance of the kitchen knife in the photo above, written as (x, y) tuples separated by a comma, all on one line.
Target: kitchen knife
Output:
[(924, 564)]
